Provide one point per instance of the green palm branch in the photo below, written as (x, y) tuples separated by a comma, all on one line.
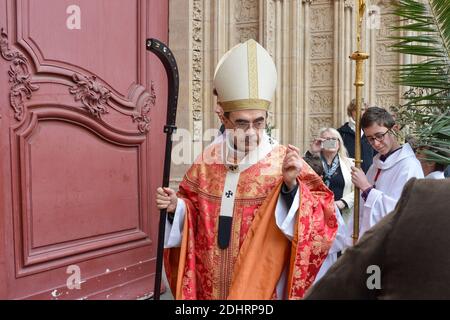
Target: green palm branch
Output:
[(425, 33)]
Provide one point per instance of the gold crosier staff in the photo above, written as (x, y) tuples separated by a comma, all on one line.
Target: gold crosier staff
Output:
[(359, 57)]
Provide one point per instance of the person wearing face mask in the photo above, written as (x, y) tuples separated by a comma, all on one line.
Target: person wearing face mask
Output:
[(347, 132), (243, 224), (391, 169)]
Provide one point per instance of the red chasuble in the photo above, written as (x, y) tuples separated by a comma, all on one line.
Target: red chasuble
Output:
[(258, 251)]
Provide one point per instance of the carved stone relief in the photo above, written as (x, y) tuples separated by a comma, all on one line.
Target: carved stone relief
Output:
[(321, 101), (321, 18), (197, 56), (196, 65), (197, 35), (349, 4), (317, 123), (243, 33), (384, 78), (196, 100), (383, 33), (321, 74), (384, 55), (383, 2), (246, 10), (270, 27), (387, 94), (386, 100), (322, 46), (197, 10), (321, 68)]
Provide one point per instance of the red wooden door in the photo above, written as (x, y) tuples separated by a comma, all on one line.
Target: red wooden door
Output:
[(82, 106)]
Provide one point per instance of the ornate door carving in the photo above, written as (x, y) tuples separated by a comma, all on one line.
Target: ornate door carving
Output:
[(81, 115)]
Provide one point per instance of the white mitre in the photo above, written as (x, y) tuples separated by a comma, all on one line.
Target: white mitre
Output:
[(245, 78)]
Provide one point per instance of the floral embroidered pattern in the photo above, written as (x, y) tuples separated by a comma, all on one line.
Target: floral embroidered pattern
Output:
[(208, 269)]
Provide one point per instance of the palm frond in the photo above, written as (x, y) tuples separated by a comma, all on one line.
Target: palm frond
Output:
[(425, 33)]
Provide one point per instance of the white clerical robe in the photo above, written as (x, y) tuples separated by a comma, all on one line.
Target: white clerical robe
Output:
[(342, 241), (389, 178), (436, 175)]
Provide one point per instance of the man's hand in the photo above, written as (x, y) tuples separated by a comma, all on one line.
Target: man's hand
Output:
[(292, 166), (316, 146), (166, 198), (359, 179), (340, 204)]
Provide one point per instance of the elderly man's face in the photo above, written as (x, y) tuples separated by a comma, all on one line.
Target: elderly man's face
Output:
[(246, 128)]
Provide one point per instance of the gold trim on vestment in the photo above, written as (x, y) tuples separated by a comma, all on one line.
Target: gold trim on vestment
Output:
[(245, 104), (252, 70)]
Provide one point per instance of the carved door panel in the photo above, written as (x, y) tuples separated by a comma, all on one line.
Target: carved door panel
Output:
[(82, 106)]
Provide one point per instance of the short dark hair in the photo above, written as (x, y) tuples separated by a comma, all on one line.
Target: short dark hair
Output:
[(440, 166), (379, 116)]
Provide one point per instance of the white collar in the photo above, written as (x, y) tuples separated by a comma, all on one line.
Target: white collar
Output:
[(435, 175), (405, 152), (266, 145), (352, 125)]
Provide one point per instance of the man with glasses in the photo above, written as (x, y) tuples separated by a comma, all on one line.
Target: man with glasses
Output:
[(392, 167), (238, 229)]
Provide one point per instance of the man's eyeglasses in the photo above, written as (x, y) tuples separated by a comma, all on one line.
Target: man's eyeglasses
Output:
[(244, 125), (378, 137)]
